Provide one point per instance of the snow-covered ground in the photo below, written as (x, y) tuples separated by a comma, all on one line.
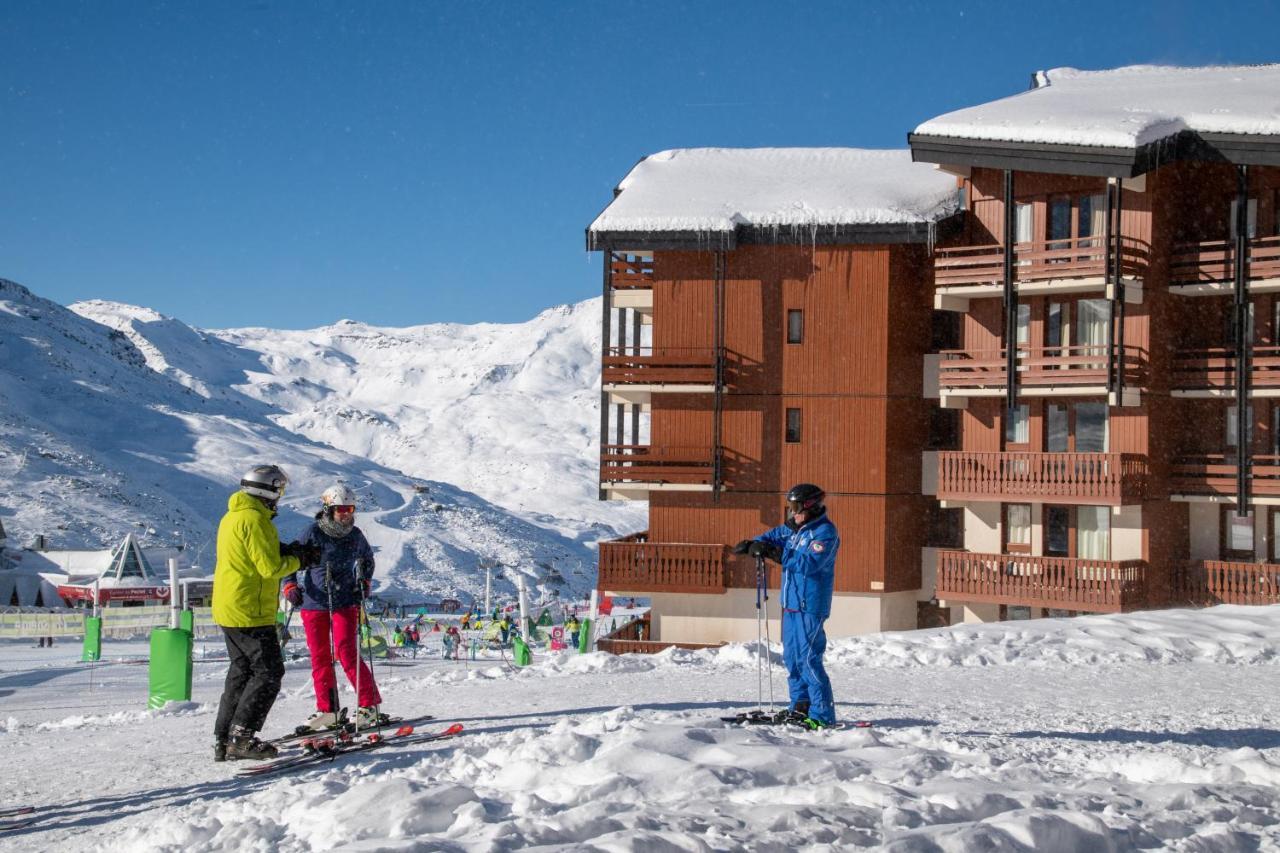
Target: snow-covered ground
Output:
[(1147, 731)]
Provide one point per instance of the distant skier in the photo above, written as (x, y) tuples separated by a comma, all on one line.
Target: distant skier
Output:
[(340, 579), (573, 626), (806, 546), (251, 561)]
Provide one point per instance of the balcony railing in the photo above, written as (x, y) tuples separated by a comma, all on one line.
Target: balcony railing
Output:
[(1097, 586), (643, 463), (635, 565), (1204, 583), (1215, 474), (1113, 479), (659, 366), (1042, 261), (1214, 368), (1213, 262), (635, 637), (630, 272), (1039, 368)]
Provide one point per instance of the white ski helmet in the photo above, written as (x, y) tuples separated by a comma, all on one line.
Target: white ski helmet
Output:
[(339, 494), (265, 481)]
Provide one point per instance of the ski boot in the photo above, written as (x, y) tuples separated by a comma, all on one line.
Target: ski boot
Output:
[(814, 725), (244, 744), (219, 750), (792, 716), (321, 721), (368, 718)]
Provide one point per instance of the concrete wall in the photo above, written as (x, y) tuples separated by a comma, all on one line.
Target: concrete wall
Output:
[(982, 527), (732, 617), (1126, 533), (1204, 530)]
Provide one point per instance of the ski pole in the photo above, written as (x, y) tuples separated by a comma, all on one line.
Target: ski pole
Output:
[(364, 618), (761, 593)]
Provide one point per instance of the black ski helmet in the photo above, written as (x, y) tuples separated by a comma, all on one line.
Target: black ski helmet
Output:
[(805, 497)]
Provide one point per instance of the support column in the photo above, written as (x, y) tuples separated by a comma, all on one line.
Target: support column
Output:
[(604, 352), (636, 351), (1244, 346), (1010, 297), (719, 375)]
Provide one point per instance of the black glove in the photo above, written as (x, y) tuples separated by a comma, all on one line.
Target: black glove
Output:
[(766, 550), (288, 549), (744, 546)]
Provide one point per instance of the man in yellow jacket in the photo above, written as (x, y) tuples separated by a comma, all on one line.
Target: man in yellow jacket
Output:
[(246, 590)]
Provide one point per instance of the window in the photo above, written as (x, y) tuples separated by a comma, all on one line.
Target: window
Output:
[(1022, 212), (1252, 213), (1059, 222), (1091, 427), (1017, 528), (1231, 425), (795, 326), (1057, 531), (1093, 326), (1053, 327), (1024, 323), (1091, 217), (1017, 425), (1093, 532), (1237, 535), (1057, 429), (793, 426)]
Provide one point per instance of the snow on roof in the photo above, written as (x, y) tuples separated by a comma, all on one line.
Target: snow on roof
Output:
[(709, 190), (1124, 107)]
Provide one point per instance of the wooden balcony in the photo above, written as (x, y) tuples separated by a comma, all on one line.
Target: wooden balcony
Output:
[(1213, 477), (1042, 372), (1206, 269), (1110, 479), (1066, 583), (1204, 583), (695, 367), (1053, 266), (630, 272), (633, 464), (1211, 372), (636, 566)]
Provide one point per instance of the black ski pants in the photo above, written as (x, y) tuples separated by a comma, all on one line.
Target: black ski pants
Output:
[(253, 679)]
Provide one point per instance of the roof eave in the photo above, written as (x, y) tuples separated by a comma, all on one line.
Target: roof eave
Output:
[(783, 235), (1043, 157)]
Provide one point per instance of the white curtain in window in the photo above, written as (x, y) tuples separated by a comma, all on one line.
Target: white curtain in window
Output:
[(1093, 532), (1239, 532), (1093, 326), (1231, 424), (1019, 516), (1018, 425)]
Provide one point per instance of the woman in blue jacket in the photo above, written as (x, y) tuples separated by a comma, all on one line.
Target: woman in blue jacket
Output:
[(338, 583), (806, 547)]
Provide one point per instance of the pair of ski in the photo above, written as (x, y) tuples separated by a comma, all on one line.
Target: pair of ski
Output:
[(764, 718), (17, 812), (321, 750), (344, 730)]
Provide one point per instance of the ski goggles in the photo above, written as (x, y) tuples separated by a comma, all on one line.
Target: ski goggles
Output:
[(344, 509)]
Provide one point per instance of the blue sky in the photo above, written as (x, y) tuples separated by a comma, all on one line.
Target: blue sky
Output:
[(291, 164)]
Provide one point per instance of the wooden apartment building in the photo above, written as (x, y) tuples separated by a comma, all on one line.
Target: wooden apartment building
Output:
[(767, 317), (1116, 368)]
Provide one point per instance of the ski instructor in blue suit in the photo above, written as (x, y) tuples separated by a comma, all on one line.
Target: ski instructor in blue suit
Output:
[(806, 546)]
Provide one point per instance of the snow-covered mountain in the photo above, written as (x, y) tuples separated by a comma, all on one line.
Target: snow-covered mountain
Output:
[(465, 443)]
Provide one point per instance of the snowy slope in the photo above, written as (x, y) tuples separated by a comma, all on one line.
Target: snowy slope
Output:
[(507, 411), (99, 437), (1147, 731)]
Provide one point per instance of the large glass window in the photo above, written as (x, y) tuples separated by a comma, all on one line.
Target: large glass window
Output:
[(1091, 219), (1057, 428), (1017, 425), (1093, 532), (1024, 323), (1057, 531), (1053, 326), (1237, 534), (1059, 231), (1093, 322), (1091, 427)]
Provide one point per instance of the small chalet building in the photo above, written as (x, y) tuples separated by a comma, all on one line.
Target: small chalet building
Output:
[(767, 315), (1117, 373)]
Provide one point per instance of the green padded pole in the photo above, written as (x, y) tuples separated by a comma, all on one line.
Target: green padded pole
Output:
[(520, 652), (584, 637), (187, 621), (92, 638), (170, 667)]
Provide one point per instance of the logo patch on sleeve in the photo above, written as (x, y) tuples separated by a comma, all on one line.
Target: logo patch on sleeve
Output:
[(819, 547)]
